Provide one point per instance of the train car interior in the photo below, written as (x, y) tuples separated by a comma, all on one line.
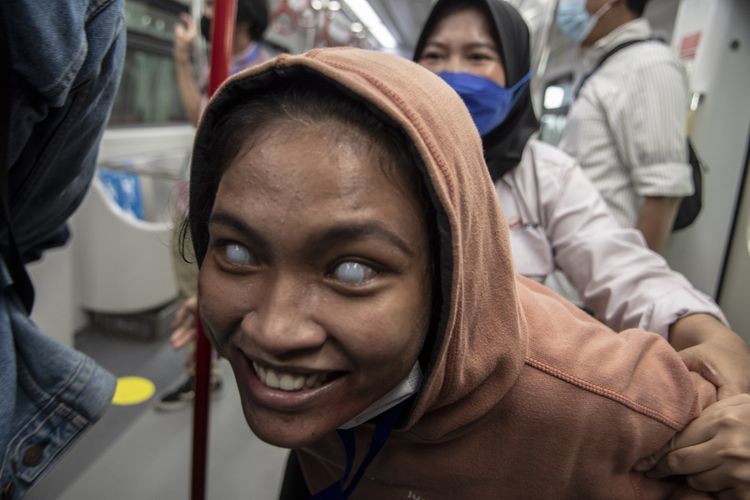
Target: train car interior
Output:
[(112, 291)]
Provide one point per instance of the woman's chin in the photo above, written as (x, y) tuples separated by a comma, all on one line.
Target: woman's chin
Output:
[(287, 431), (295, 418), (283, 440)]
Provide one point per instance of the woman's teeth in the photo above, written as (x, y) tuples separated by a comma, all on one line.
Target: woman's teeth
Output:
[(288, 381)]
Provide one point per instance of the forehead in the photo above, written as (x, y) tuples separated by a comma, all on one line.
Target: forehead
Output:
[(468, 25), (323, 166)]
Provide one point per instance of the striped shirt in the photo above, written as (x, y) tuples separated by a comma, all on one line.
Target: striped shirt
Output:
[(627, 126)]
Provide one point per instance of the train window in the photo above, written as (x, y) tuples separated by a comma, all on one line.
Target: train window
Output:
[(554, 95), (556, 100), (148, 93)]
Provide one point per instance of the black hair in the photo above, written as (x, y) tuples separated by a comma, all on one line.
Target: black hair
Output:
[(307, 99), (637, 6), (255, 13)]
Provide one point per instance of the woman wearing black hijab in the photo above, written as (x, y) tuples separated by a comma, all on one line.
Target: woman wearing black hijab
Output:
[(557, 218), (505, 143)]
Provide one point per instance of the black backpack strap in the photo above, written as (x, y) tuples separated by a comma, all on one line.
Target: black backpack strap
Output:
[(8, 248), (609, 54)]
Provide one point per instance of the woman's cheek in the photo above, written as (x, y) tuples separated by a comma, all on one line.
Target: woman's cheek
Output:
[(383, 333)]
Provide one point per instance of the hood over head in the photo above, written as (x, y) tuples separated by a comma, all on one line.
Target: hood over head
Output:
[(505, 143), (479, 331)]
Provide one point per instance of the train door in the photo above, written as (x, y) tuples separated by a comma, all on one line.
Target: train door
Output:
[(734, 293), (713, 39)]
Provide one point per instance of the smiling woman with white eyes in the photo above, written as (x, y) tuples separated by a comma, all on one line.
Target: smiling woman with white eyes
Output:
[(315, 264), (355, 270)]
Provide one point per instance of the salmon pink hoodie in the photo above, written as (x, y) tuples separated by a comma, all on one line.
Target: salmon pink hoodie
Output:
[(525, 396)]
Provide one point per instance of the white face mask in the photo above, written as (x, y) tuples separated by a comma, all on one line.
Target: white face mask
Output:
[(575, 21), (409, 386)]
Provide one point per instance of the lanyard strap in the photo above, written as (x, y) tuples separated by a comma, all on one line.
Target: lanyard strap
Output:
[(385, 424)]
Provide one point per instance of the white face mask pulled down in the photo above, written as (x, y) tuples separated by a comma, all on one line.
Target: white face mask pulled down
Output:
[(407, 387)]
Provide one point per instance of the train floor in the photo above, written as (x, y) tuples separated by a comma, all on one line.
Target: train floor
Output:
[(138, 453)]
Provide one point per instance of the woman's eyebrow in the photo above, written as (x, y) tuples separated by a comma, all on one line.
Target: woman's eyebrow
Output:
[(470, 45), (482, 45), (436, 44), (226, 219), (330, 236), (348, 232)]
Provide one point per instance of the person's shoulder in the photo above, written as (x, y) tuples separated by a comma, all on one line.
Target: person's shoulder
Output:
[(644, 56), (265, 52), (546, 159), (635, 371), (650, 65)]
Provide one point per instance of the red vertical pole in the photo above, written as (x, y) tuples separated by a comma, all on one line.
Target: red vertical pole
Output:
[(200, 414), (221, 42), (221, 46)]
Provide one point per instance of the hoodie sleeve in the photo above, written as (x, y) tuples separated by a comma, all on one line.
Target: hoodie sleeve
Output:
[(610, 400)]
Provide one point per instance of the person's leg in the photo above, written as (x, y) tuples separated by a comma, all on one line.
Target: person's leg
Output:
[(183, 394), (186, 272)]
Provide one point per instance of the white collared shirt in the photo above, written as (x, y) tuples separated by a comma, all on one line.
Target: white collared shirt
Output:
[(627, 128), (558, 221)]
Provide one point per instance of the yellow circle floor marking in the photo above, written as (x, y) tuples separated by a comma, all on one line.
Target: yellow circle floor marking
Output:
[(132, 391)]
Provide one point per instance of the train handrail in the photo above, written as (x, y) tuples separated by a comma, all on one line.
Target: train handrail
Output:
[(221, 44), (150, 165)]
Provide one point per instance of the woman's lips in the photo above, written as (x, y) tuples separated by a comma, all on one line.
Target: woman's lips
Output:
[(281, 390), (287, 381)]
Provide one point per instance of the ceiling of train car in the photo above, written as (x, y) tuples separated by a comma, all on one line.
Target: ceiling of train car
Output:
[(404, 18)]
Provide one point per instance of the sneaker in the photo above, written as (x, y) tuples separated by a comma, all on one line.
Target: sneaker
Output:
[(183, 396)]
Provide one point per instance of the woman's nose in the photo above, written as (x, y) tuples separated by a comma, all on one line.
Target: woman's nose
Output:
[(283, 320), (454, 64)]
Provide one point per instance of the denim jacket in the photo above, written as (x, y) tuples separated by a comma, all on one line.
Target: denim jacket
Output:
[(66, 58)]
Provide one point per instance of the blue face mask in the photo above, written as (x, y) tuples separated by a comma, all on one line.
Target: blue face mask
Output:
[(489, 103), (575, 21)]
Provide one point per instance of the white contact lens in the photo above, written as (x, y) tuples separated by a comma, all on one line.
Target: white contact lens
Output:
[(352, 273), (237, 254)]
